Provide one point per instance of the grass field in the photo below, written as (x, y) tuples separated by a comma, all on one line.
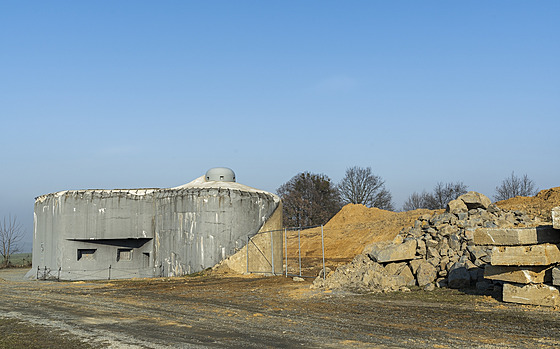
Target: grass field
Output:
[(20, 260)]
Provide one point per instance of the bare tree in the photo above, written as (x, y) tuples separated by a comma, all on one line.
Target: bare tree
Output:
[(361, 186), (515, 186), (308, 199), (416, 201), (11, 233), (441, 195)]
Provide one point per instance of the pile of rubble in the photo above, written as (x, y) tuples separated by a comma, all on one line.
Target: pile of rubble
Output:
[(524, 260), (438, 251)]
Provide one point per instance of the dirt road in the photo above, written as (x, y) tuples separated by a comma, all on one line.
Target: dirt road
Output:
[(211, 311)]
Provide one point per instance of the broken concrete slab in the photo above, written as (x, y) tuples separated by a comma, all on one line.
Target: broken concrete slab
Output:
[(515, 274), (556, 217), (556, 276), (516, 236), (425, 274), (534, 294), (456, 206), (383, 253), (474, 200), (544, 254)]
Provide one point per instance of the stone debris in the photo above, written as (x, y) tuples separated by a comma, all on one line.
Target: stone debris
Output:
[(556, 217), (555, 276), (516, 274), (393, 251), (516, 237), (544, 254), (429, 250), (527, 266), (535, 294), (474, 243), (475, 200)]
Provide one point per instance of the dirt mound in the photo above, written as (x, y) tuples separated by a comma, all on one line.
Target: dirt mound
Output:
[(539, 205), (353, 214), (348, 232)]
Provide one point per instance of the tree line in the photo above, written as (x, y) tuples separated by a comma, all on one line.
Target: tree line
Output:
[(312, 199)]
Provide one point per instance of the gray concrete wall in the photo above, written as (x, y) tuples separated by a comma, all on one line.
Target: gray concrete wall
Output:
[(198, 227), (98, 234), (83, 234)]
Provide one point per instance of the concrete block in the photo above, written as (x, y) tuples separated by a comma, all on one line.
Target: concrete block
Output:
[(516, 236), (556, 276), (518, 275), (535, 294), (544, 254), (475, 200), (556, 217), (456, 206), (383, 253)]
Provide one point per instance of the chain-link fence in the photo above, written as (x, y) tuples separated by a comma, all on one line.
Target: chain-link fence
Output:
[(108, 273), (287, 252)]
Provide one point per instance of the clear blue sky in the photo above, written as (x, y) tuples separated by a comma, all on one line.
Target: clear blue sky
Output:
[(127, 94)]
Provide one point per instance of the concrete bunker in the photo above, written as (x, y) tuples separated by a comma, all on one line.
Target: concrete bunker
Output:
[(125, 233)]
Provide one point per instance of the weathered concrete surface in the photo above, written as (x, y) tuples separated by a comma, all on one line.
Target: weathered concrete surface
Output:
[(391, 252), (196, 228), (426, 273), (535, 294), (544, 254), (556, 276), (456, 206), (515, 274), (516, 236), (265, 249), (102, 234), (81, 234), (556, 217), (475, 200)]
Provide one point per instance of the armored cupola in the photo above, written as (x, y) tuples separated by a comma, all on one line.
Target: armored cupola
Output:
[(220, 174)]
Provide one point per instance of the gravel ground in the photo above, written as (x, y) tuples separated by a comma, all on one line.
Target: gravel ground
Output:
[(235, 312)]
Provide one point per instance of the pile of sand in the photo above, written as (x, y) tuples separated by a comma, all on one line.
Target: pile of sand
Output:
[(539, 205), (350, 230)]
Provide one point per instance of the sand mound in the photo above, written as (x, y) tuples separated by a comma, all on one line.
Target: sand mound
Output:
[(353, 214), (350, 230), (539, 205)]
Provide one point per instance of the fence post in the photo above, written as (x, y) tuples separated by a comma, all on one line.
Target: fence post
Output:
[(45, 273), (59, 268), (323, 246), (37, 272), (299, 249), (286, 249), (272, 253), (109, 278), (247, 254)]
